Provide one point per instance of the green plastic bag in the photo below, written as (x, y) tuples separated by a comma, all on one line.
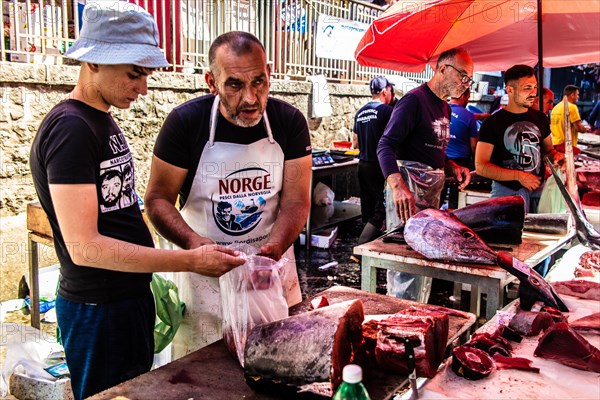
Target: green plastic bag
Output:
[(169, 311), (551, 199)]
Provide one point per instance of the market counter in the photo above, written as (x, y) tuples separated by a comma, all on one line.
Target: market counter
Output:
[(213, 373), (491, 279)]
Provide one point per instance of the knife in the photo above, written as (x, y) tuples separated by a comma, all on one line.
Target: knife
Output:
[(412, 372), (397, 229)]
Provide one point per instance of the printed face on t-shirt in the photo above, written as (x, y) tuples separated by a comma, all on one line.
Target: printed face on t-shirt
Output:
[(111, 188)]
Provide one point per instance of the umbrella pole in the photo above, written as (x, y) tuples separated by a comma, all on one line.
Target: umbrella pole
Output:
[(540, 56), (569, 156)]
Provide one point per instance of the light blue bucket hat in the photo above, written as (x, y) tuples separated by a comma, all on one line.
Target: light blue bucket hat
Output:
[(118, 32)]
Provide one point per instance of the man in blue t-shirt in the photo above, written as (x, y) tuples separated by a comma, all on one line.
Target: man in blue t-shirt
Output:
[(463, 139), (463, 131), (369, 123)]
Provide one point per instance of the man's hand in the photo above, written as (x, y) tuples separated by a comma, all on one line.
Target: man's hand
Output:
[(196, 240), (462, 175), (214, 260), (271, 250), (528, 181), (404, 201)]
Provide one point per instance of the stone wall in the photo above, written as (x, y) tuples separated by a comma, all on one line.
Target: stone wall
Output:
[(29, 91)]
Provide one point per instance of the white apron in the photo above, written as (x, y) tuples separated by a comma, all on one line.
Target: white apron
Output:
[(234, 198)]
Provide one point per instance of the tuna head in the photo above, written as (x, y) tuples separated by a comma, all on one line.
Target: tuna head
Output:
[(439, 235)]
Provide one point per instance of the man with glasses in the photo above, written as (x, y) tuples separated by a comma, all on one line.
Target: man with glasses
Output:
[(413, 147), (419, 131), (513, 142)]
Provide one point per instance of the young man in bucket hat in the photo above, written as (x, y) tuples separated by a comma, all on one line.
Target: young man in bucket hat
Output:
[(104, 306)]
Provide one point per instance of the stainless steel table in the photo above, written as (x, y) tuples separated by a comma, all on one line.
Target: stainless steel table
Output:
[(342, 211)]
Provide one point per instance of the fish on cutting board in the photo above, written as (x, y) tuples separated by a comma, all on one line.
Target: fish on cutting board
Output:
[(305, 351), (588, 324)]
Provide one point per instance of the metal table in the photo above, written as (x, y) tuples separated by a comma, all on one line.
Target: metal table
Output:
[(342, 211), (489, 279)]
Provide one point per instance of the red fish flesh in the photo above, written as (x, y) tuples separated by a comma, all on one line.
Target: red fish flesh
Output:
[(563, 344), (578, 288), (589, 324)]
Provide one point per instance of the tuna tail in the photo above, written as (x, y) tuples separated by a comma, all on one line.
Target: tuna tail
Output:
[(586, 233), (532, 287)]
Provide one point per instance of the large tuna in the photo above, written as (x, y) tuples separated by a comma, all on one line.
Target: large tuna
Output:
[(439, 235)]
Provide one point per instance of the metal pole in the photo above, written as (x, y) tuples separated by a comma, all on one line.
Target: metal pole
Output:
[(540, 56)]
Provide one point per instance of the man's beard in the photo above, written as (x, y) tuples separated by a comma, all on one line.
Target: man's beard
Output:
[(235, 115)]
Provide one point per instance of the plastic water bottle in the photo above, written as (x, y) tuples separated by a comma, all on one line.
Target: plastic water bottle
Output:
[(351, 387)]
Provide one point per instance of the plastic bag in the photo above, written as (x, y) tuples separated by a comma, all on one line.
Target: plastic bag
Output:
[(251, 294), (27, 352), (426, 184), (169, 311), (551, 199)]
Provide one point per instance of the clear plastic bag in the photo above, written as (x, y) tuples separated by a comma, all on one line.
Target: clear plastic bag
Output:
[(251, 294), (551, 199)]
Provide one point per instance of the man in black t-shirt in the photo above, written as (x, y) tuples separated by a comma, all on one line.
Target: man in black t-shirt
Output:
[(419, 131), (240, 146), (369, 123), (514, 140), (104, 306)]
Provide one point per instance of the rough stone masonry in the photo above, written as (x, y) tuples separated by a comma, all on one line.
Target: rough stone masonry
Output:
[(29, 91)]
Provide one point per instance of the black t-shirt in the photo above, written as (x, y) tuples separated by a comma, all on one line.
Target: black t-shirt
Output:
[(78, 144), (369, 123), (518, 141), (186, 131), (419, 130)]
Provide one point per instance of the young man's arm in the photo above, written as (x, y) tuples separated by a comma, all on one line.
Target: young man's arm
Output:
[(88, 248), (487, 169)]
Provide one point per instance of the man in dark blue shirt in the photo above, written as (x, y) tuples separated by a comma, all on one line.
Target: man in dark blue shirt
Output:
[(369, 123), (416, 137), (419, 131)]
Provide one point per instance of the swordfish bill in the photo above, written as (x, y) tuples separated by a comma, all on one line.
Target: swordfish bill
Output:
[(587, 235), (440, 235)]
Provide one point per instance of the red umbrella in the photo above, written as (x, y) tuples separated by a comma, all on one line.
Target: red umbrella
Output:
[(498, 34)]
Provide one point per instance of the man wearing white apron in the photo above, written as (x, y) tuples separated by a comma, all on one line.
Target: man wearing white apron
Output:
[(241, 165)]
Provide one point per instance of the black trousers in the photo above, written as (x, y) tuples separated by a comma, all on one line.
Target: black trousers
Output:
[(372, 184)]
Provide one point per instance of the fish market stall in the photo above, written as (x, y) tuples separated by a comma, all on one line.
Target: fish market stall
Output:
[(554, 380), (212, 372), (490, 279)]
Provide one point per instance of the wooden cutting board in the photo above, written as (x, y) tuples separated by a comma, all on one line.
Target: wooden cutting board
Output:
[(213, 373)]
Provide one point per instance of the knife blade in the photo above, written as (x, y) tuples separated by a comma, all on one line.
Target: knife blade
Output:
[(391, 231), (412, 372)]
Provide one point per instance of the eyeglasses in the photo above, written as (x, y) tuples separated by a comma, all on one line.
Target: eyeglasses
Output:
[(464, 78)]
